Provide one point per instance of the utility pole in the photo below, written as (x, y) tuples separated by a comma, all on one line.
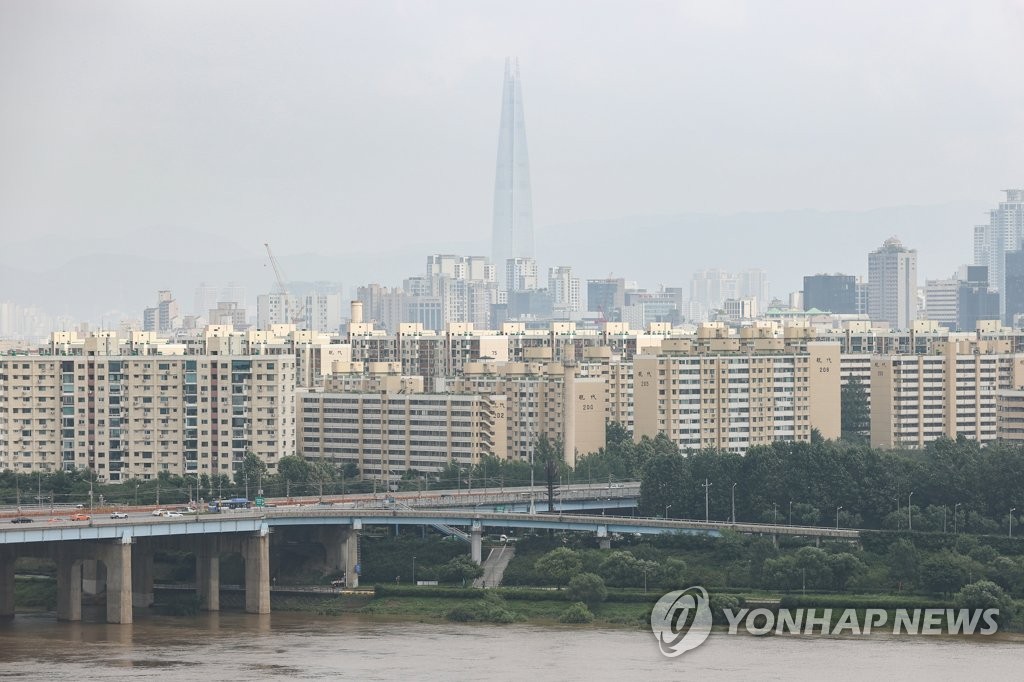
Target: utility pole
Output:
[(707, 515), (955, 507), (734, 503), (1011, 521), (910, 513)]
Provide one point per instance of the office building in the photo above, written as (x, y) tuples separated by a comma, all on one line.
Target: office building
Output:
[(607, 297), (1003, 233), (832, 293)]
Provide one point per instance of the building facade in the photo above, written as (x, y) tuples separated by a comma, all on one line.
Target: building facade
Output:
[(892, 284)]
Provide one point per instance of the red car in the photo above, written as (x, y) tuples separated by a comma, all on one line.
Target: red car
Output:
[(80, 517)]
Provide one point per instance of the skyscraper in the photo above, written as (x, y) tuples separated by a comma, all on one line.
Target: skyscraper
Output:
[(512, 235), (892, 284), (1004, 233)]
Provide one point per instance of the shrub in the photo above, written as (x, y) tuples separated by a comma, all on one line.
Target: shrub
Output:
[(587, 587), (576, 613)]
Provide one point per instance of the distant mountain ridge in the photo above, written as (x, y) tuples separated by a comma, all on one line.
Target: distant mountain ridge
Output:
[(106, 277)]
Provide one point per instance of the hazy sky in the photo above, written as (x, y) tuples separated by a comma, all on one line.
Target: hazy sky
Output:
[(338, 126)]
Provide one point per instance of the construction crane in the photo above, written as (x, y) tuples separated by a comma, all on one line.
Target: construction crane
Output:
[(281, 286), (294, 316)]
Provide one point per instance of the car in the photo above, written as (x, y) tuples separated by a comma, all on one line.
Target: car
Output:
[(79, 506), (80, 517), (159, 512), (21, 519), (172, 514), (118, 515)]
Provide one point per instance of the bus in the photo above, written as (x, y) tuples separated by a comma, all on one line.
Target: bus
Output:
[(233, 503)]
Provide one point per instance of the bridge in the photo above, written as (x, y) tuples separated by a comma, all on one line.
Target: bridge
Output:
[(125, 547)]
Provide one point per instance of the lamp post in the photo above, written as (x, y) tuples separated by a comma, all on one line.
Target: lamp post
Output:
[(667, 507), (734, 503), (1011, 521), (837, 516), (910, 512), (775, 513), (414, 569), (707, 515), (943, 518), (791, 512), (955, 507)]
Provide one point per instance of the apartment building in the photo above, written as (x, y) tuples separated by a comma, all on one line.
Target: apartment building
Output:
[(129, 416), (543, 399), (733, 401), (950, 392), (387, 434)]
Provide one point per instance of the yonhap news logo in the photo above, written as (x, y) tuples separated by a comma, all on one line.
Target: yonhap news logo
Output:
[(682, 619)]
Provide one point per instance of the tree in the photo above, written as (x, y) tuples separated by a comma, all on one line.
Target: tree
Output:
[(666, 482), (903, 563), (459, 569), (252, 467), (845, 567), (588, 588), (293, 469), (558, 566), (619, 569), (945, 572), (855, 415), (985, 594)]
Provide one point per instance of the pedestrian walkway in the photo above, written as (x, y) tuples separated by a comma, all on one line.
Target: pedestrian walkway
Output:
[(494, 566)]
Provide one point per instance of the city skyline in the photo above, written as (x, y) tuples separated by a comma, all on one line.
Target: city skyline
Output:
[(607, 193)]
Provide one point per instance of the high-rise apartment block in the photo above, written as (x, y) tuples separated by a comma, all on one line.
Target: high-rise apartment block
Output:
[(565, 293), (128, 416), (892, 284)]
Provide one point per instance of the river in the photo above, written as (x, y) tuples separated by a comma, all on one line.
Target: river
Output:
[(235, 646)]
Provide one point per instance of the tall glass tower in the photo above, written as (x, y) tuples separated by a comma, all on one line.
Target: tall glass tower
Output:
[(512, 235)]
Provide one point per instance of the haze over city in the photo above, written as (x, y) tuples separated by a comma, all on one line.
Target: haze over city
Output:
[(146, 147)]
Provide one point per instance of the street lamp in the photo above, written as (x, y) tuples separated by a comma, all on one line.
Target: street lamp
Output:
[(837, 516), (791, 512), (707, 485), (1011, 521), (955, 507), (414, 569), (667, 507), (734, 503), (910, 512)]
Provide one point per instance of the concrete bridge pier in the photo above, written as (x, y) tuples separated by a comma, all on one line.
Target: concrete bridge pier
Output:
[(6, 584), (256, 553), (208, 574), (69, 582), (351, 552), (476, 543), (341, 551), (604, 543), (117, 557)]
